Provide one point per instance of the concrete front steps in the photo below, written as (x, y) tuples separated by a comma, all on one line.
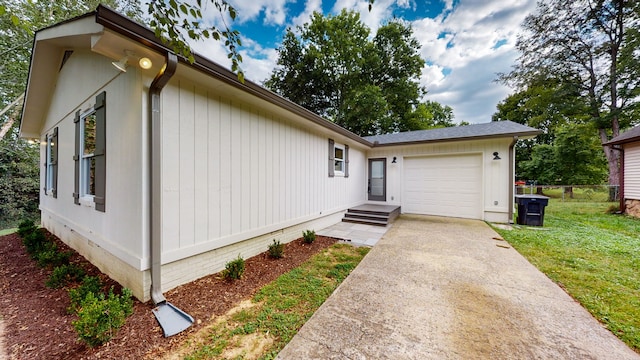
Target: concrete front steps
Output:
[(379, 215)]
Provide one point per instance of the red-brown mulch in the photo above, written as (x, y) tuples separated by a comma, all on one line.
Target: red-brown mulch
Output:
[(37, 326)]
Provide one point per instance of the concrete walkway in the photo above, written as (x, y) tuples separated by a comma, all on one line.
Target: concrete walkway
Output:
[(356, 234), (442, 288)]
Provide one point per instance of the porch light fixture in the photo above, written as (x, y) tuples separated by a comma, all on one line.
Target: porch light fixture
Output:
[(145, 63), (394, 160), (122, 64), (495, 156)]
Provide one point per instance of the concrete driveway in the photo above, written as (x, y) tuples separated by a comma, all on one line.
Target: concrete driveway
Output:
[(443, 288)]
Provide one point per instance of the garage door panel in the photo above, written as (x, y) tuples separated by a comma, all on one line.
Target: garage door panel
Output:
[(443, 185)]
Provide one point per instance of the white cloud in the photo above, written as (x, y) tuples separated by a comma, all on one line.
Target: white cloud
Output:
[(459, 45), (275, 11), (309, 7), (464, 40)]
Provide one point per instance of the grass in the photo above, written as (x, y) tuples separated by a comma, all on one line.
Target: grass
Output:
[(594, 256), (261, 328), (8, 231)]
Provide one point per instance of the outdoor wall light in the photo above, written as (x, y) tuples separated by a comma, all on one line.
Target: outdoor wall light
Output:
[(145, 63), (394, 160), (495, 156), (122, 63)]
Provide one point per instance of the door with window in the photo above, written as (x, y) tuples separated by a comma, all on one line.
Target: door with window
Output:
[(377, 179)]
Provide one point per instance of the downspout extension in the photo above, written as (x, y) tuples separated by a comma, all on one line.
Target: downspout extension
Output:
[(161, 79), (511, 177)]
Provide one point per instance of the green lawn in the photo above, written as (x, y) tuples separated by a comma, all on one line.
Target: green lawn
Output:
[(261, 328), (7, 231), (594, 256)]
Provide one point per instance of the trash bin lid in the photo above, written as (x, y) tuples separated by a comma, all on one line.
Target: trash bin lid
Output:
[(532, 196)]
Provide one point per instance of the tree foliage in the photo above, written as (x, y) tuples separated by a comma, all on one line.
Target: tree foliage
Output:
[(572, 158), (367, 84), (19, 159), (592, 44)]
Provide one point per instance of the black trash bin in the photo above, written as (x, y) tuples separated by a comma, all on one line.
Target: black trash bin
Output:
[(531, 209)]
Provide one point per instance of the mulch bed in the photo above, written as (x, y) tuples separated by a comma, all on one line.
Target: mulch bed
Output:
[(37, 326)]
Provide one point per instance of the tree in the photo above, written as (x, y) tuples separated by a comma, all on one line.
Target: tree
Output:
[(547, 103), (368, 85), (573, 158), (593, 43), (19, 159)]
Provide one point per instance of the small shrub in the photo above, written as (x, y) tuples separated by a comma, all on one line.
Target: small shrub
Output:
[(234, 268), (50, 255), (276, 250), (90, 284), (99, 318), (63, 275), (309, 236), (26, 227), (34, 242)]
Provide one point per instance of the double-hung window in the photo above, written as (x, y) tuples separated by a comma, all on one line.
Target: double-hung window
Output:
[(90, 154), (88, 160), (338, 159), (51, 164)]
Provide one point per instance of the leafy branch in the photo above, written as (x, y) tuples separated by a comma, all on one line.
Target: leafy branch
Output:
[(175, 22)]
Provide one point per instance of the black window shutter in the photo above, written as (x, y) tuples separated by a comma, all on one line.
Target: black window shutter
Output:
[(346, 161), (76, 160), (54, 149), (332, 155), (100, 151)]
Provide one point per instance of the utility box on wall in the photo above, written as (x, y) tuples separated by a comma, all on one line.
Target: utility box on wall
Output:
[(531, 209)]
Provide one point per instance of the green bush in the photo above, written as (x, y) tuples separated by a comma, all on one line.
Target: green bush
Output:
[(34, 242), (90, 284), (276, 250), (50, 255), (234, 268), (99, 318), (63, 275), (26, 227), (309, 236)]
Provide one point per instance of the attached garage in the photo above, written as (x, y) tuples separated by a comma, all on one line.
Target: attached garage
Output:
[(462, 171), (449, 185)]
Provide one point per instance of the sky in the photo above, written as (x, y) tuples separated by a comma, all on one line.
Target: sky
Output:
[(465, 43)]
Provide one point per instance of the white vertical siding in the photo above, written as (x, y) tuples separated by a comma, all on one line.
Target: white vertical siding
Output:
[(233, 171), (120, 229), (632, 171)]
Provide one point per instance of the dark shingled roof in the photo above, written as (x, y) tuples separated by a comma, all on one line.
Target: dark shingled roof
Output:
[(626, 137), (493, 129)]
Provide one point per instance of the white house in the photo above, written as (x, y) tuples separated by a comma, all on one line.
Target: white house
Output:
[(162, 173), (629, 144)]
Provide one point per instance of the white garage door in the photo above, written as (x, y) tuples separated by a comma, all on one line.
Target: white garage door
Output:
[(443, 185)]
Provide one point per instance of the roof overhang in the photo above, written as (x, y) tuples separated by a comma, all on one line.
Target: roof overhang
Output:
[(518, 135)]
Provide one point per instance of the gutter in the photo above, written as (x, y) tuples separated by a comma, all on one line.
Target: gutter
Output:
[(512, 165), (132, 30)]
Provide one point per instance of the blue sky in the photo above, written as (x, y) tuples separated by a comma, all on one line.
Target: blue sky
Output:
[(464, 42)]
